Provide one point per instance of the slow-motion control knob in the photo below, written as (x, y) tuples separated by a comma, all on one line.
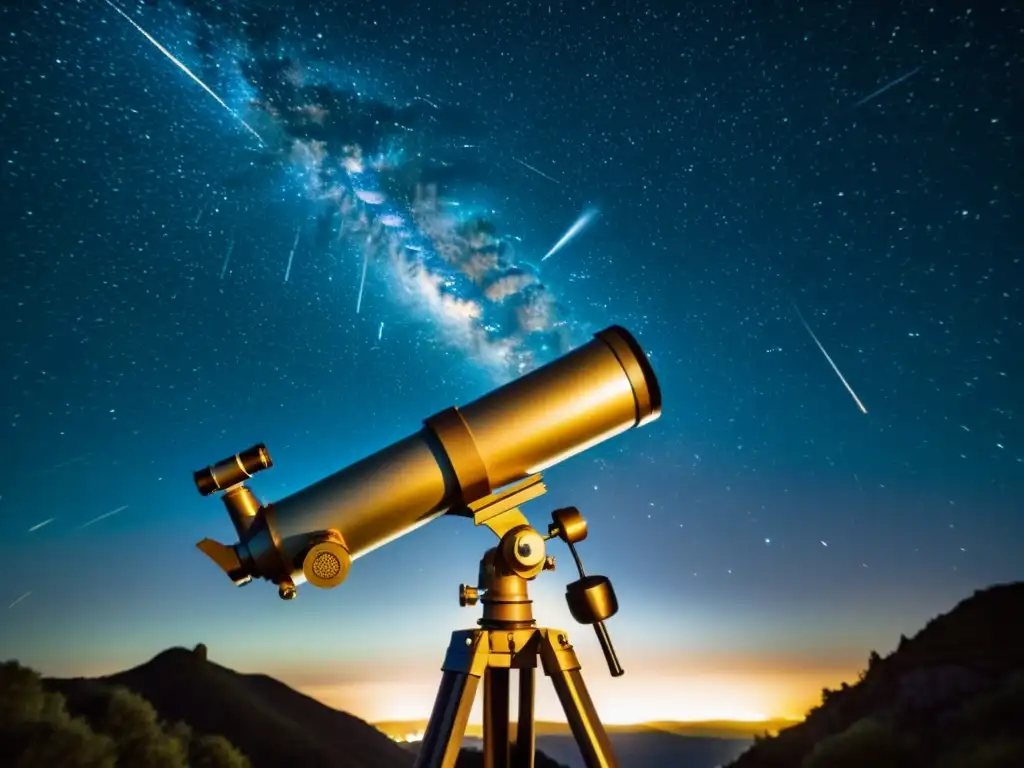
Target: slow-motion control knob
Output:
[(468, 595)]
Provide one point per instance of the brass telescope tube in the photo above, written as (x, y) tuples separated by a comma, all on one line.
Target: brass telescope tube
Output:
[(462, 454)]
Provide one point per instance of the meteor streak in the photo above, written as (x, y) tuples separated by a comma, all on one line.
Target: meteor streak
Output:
[(227, 258), (188, 72), (362, 281), (834, 366), (578, 226), (886, 87), (291, 254), (536, 170), (104, 516)]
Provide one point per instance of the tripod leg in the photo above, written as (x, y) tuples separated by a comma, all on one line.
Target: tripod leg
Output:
[(464, 665), (526, 742), (562, 666), (496, 705)]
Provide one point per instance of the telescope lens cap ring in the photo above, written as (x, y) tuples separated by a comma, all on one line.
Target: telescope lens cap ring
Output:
[(326, 564)]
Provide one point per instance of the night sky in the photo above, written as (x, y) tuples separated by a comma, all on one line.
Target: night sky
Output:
[(744, 164)]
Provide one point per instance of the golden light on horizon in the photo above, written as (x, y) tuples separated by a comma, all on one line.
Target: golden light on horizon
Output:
[(630, 700)]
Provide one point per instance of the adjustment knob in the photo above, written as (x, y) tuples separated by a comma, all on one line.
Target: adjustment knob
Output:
[(286, 590), (468, 595), (549, 563)]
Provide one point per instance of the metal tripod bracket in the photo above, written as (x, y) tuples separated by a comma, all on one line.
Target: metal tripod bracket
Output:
[(491, 654), (508, 638), (500, 511)]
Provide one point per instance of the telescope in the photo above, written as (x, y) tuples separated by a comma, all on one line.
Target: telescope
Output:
[(482, 460)]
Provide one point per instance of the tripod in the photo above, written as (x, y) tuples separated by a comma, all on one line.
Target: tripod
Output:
[(508, 639)]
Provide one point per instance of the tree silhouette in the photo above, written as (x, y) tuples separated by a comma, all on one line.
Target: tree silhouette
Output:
[(37, 730), (182, 733), (23, 698), (215, 752), (69, 744), (133, 725)]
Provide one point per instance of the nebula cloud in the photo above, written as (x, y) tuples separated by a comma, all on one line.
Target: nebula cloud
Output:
[(379, 170)]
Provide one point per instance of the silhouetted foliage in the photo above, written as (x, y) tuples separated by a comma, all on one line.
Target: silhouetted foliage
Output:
[(1000, 713), (272, 724), (952, 696), (215, 752), (37, 730), (182, 733), (132, 723), (69, 744), (1005, 752), (868, 742)]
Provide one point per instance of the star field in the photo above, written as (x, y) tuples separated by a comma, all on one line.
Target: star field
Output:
[(854, 164)]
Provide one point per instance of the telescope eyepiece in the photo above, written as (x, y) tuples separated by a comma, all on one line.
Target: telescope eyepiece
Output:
[(233, 470)]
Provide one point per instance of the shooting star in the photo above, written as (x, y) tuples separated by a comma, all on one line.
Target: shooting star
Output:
[(104, 516), (291, 254), (188, 72), (428, 101), (18, 600), (886, 87), (68, 463), (830, 362), (578, 226), (536, 170), (362, 280), (227, 258), (43, 524)]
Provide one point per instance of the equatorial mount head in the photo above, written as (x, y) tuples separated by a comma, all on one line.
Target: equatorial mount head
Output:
[(521, 556)]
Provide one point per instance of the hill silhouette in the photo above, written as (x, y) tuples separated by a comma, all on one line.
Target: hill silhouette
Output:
[(268, 721), (211, 716), (950, 697)]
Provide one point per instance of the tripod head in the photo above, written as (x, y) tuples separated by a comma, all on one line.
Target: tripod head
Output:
[(521, 556)]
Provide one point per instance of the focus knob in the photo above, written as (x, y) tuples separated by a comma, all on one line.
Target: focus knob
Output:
[(468, 595)]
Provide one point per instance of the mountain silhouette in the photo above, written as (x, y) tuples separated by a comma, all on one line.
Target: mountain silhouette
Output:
[(272, 724), (950, 697)]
